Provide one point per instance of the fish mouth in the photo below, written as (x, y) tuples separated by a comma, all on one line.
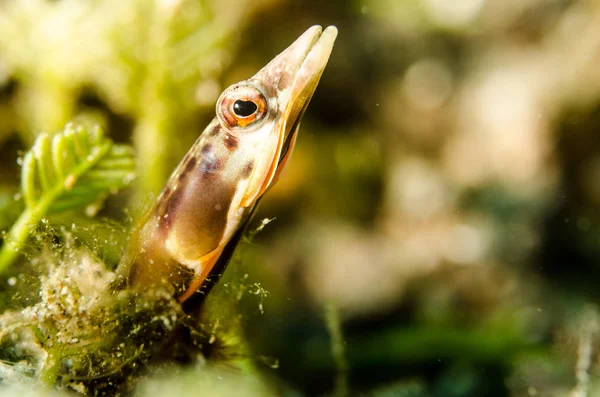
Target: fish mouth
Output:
[(290, 137), (290, 81), (315, 49), (312, 51)]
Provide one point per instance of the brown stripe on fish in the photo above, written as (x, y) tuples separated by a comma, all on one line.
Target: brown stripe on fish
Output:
[(231, 142), (169, 205), (207, 148), (187, 167), (247, 169), (214, 131)]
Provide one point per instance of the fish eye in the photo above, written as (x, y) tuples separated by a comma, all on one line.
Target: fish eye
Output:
[(241, 105), (244, 108)]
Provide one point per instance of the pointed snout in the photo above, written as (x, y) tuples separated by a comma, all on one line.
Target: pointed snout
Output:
[(289, 82), (298, 67)]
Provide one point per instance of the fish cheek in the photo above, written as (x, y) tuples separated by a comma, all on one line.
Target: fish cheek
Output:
[(199, 212)]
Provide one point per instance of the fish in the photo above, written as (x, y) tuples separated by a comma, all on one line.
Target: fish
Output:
[(209, 199)]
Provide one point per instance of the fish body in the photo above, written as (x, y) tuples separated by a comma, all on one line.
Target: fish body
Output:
[(213, 192)]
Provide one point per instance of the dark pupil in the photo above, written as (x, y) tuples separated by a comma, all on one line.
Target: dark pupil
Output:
[(244, 108)]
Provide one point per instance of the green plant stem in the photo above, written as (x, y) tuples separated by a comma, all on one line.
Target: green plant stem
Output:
[(18, 234), (333, 322), (50, 370)]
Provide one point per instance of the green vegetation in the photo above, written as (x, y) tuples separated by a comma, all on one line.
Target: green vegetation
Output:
[(65, 172)]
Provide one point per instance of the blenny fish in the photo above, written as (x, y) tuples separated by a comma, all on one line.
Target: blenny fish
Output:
[(209, 199)]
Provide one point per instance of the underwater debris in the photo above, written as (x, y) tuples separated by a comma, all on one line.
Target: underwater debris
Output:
[(81, 335)]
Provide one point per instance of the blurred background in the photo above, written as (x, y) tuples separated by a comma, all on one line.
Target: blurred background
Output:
[(437, 232)]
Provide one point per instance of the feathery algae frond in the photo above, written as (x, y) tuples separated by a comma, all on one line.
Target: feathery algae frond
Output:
[(64, 172)]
